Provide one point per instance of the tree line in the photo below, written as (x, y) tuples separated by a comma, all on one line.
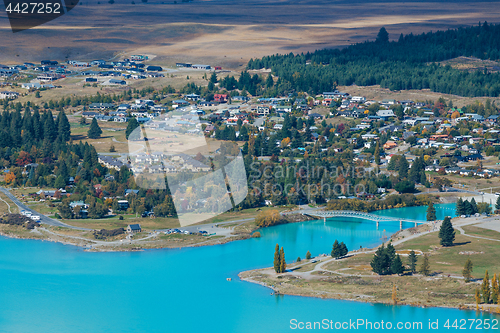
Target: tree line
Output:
[(409, 63)]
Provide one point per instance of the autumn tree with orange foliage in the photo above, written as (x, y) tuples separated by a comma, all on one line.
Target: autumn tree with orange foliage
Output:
[(10, 178)]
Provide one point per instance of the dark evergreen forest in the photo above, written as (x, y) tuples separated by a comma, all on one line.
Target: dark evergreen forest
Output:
[(409, 63)]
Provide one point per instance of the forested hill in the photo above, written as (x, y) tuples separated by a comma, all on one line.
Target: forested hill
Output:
[(408, 63)]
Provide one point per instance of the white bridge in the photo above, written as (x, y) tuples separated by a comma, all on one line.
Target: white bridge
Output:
[(326, 214)]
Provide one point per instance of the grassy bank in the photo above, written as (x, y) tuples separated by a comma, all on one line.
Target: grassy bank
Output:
[(353, 279)]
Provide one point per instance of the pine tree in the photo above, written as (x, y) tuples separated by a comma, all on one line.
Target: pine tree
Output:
[(213, 78), (425, 268), (431, 212), (474, 206), (397, 266), (131, 126), (382, 36), (412, 261), (468, 209), (277, 259), (282, 261), (94, 131), (269, 81), (308, 255), (485, 289), (381, 264), (63, 127), (495, 290), (49, 128), (336, 249), (343, 249), (446, 232), (377, 154), (459, 208), (391, 253), (467, 271), (403, 168)]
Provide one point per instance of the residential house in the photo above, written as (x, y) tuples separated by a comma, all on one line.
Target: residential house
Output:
[(134, 228)]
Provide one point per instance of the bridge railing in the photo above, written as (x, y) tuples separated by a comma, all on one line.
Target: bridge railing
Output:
[(350, 213)]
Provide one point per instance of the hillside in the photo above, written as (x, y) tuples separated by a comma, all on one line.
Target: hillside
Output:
[(409, 63)]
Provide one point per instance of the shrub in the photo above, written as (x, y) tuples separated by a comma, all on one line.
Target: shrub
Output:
[(268, 218), (256, 234)]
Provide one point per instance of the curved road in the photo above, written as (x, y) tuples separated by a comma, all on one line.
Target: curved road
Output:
[(43, 219)]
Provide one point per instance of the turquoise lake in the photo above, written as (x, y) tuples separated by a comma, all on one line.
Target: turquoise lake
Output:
[(50, 287)]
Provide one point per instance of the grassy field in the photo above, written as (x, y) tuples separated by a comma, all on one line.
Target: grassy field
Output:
[(4, 207), (482, 232), (353, 278), (113, 134), (227, 33), (448, 260)]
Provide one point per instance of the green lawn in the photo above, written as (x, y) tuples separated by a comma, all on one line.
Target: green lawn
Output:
[(449, 259), (477, 231)]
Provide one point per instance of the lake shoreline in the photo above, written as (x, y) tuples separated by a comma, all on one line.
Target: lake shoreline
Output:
[(352, 279)]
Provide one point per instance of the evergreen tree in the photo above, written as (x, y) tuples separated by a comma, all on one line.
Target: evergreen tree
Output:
[(60, 182), (403, 168), (277, 259), (412, 261), (213, 78), (431, 212), (243, 136), (467, 271), (460, 208), (495, 290), (343, 249), (474, 206), (49, 128), (94, 131), (468, 209), (425, 266), (397, 266), (377, 154), (336, 249), (63, 127), (308, 255), (497, 204), (282, 261), (381, 263), (446, 232), (269, 81), (485, 289), (382, 36), (391, 252), (131, 126)]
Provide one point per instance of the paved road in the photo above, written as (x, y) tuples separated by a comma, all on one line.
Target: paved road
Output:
[(43, 219)]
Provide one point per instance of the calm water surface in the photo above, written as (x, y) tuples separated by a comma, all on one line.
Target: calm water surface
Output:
[(49, 287)]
